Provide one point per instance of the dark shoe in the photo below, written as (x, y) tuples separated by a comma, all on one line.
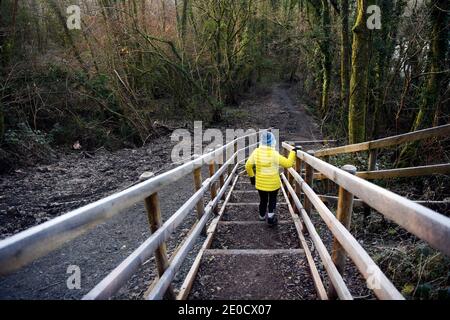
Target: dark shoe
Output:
[(272, 221)]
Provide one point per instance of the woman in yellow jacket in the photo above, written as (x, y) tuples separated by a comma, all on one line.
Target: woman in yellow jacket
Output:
[(267, 161)]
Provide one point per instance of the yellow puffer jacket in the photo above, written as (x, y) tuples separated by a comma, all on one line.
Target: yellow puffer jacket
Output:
[(267, 161)]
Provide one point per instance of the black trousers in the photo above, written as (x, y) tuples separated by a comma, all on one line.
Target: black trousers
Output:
[(268, 200)]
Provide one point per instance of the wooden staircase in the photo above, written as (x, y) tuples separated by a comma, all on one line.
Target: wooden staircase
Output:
[(243, 258), (247, 259)]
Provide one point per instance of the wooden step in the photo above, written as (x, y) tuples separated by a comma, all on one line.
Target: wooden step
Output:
[(250, 212), (246, 196), (255, 235), (238, 204), (215, 252), (244, 186), (253, 274)]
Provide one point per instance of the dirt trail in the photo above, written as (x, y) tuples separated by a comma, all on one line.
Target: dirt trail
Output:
[(30, 196), (279, 108)]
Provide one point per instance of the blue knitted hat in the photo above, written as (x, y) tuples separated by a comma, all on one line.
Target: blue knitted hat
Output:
[(268, 139)]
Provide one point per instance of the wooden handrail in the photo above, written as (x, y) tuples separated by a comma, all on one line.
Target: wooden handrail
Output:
[(426, 224), (318, 284), (387, 142), (28, 245), (306, 142), (163, 284), (405, 172), (344, 216), (153, 208), (355, 251), (333, 273), (117, 278), (398, 173), (189, 280), (359, 203)]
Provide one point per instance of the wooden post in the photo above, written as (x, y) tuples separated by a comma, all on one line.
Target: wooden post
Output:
[(230, 166), (221, 182), (371, 167), (286, 154), (154, 219), (200, 204), (213, 190), (326, 182), (309, 179), (298, 189), (287, 174), (344, 215), (373, 153), (221, 160)]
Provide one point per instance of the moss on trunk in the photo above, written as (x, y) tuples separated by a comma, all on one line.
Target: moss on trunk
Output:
[(345, 57), (358, 80), (435, 86), (326, 56)]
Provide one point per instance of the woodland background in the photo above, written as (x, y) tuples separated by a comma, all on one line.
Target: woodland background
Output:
[(136, 65), (139, 67)]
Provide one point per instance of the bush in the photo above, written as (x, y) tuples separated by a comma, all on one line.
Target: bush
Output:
[(24, 146)]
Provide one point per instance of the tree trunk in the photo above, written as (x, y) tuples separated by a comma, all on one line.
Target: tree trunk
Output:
[(345, 57), (2, 123), (436, 84), (385, 50), (57, 10), (7, 39), (326, 55), (358, 80), (2, 41), (438, 50), (184, 21)]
